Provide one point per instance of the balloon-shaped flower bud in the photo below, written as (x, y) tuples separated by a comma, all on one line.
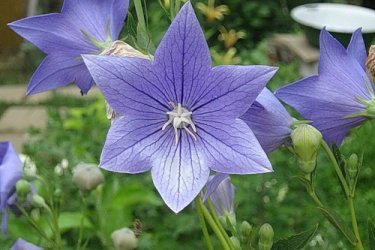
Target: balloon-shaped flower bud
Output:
[(22, 188), (235, 242), (265, 237), (38, 201), (21, 244), (306, 142), (245, 229), (124, 239), (87, 176), (352, 166)]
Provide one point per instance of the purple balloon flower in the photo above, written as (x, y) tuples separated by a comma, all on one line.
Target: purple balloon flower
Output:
[(10, 173), (220, 190), (21, 244), (65, 36), (335, 99), (180, 116), (269, 121)]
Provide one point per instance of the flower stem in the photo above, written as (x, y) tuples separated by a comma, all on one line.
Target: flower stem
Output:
[(337, 168), (216, 219), (212, 224), (203, 225), (359, 245), (81, 227), (315, 198)]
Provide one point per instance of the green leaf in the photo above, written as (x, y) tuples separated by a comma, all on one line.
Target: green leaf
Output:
[(70, 220), (297, 241), (371, 234), (339, 224)]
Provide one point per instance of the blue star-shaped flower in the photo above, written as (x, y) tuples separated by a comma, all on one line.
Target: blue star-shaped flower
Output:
[(82, 27), (179, 116), (341, 96)]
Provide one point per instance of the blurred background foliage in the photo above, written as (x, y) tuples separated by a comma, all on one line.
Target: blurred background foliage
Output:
[(236, 32)]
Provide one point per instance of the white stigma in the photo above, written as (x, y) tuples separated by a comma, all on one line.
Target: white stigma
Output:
[(180, 118)]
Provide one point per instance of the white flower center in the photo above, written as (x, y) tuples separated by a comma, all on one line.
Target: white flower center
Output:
[(180, 118)]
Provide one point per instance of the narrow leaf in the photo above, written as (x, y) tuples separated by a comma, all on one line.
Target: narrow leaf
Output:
[(371, 234), (339, 224), (297, 241)]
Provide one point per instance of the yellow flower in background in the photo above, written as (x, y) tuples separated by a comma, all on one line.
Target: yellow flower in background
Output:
[(230, 37), (224, 59), (211, 12)]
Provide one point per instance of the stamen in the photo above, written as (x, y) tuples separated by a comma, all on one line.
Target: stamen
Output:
[(180, 118)]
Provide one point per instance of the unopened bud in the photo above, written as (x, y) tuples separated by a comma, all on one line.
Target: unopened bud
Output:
[(246, 229), (235, 242), (265, 237), (22, 188), (306, 142), (87, 176), (38, 201), (352, 166), (228, 219), (57, 195), (124, 239), (35, 214)]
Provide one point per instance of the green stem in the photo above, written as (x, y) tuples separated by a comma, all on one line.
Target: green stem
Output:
[(337, 168), (359, 245), (80, 236), (212, 223), (140, 14), (216, 219), (34, 224), (55, 224), (203, 225), (315, 198)]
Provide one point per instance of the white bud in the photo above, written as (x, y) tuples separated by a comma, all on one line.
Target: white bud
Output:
[(87, 176), (124, 239)]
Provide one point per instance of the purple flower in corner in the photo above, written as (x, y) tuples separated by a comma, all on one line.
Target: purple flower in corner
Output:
[(179, 116), (220, 191), (269, 121), (341, 96), (21, 244), (10, 173), (82, 27)]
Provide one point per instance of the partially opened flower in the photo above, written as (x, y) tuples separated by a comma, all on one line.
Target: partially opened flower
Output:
[(341, 96), (220, 191), (10, 173), (179, 116), (82, 27), (21, 244), (269, 121)]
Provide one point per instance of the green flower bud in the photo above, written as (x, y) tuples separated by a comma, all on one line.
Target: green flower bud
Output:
[(352, 166), (57, 195), (306, 142), (246, 229), (236, 243), (22, 188), (228, 219), (124, 239), (35, 214), (38, 201), (265, 237), (87, 176)]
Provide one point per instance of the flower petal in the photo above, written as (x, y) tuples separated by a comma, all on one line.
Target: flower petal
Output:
[(182, 59), (231, 147), (128, 85), (341, 69), (53, 33), (357, 48), (212, 184), (94, 16), (230, 91), (317, 99), (130, 144), (269, 121), (179, 171), (56, 71)]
